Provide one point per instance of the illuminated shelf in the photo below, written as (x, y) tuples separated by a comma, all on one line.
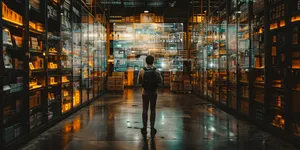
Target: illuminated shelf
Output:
[(37, 70), (35, 51), (11, 22), (36, 31), (37, 88)]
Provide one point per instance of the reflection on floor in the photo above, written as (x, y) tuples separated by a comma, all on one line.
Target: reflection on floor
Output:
[(183, 122)]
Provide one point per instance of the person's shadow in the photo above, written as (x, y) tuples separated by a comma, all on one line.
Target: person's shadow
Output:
[(146, 144)]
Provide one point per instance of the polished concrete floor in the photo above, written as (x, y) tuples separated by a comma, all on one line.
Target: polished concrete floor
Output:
[(183, 122)]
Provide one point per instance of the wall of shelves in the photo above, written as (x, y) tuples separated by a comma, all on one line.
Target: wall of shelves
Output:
[(53, 62), (258, 69)]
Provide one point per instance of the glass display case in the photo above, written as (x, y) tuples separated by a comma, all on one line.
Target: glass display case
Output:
[(37, 66), (102, 57), (293, 60), (244, 48), (91, 55), (258, 62), (277, 63), (53, 62), (14, 82), (210, 60), (44, 65), (223, 56), (84, 55), (66, 42), (258, 44), (76, 28), (232, 61)]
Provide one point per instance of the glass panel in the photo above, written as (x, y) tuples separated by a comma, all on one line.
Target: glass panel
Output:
[(66, 58), (210, 54), (223, 58), (258, 54), (37, 64), (76, 20), (258, 61), (84, 55), (103, 58), (232, 58), (243, 57), (91, 36), (97, 59), (54, 77)]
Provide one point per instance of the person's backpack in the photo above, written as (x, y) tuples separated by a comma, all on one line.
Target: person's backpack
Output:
[(150, 80)]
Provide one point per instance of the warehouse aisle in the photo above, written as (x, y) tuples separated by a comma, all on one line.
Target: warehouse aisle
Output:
[(183, 122)]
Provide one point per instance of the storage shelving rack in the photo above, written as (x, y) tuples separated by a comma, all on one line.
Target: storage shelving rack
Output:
[(276, 63), (263, 61), (13, 84), (210, 54), (38, 65), (53, 61), (293, 57), (84, 55), (65, 57), (257, 78), (243, 57), (223, 73), (215, 57), (232, 56), (202, 60), (76, 30)]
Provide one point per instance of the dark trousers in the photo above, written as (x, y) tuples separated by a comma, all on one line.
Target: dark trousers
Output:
[(149, 98)]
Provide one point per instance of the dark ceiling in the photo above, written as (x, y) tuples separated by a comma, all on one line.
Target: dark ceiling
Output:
[(172, 10)]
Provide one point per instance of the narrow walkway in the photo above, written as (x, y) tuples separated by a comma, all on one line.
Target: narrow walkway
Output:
[(183, 122)]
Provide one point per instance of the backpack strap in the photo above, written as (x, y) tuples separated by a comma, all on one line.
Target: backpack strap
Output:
[(145, 68)]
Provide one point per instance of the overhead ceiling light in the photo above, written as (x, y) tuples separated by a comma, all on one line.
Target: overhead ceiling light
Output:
[(146, 11)]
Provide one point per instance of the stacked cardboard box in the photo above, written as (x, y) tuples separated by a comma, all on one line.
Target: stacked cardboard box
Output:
[(187, 85), (116, 82), (176, 83), (176, 86), (166, 77)]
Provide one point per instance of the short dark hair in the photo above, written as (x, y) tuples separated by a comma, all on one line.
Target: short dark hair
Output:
[(150, 60)]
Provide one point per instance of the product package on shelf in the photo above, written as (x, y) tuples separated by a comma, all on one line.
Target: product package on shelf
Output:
[(35, 100), (8, 134), (7, 61), (10, 15), (6, 37), (35, 4), (52, 12), (18, 41), (35, 44), (67, 4), (37, 63), (34, 84)]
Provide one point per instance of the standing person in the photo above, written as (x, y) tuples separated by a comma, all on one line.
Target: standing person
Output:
[(149, 77)]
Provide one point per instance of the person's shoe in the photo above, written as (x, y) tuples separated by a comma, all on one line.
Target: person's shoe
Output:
[(144, 131), (153, 131)]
